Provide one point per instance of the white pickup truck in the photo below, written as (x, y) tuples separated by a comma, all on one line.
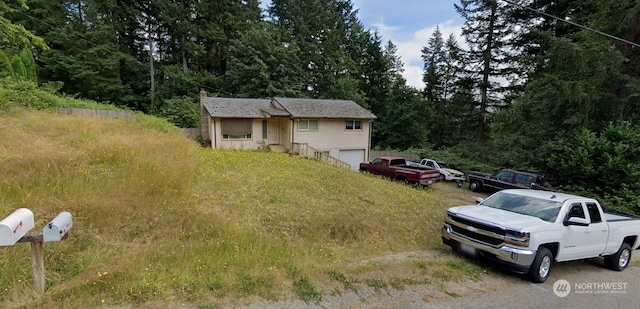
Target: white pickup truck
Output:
[(526, 231)]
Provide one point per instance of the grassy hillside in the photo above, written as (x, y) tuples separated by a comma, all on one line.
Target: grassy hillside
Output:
[(160, 221)]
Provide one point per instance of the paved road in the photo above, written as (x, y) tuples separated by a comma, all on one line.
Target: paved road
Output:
[(591, 286)]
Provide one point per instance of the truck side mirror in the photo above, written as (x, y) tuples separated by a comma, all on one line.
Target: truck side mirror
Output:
[(16, 225), (479, 200), (58, 227), (576, 221)]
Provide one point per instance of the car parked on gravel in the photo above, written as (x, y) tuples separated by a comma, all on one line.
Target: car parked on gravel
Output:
[(397, 168), (507, 179), (446, 173), (527, 231)]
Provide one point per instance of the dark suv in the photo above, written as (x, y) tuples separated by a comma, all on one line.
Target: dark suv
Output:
[(506, 179)]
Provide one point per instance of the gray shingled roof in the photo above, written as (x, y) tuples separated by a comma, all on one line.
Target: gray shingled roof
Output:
[(316, 108), (285, 107), (241, 108)]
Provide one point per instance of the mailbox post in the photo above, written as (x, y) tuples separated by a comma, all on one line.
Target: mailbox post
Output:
[(37, 259), (14, 229)]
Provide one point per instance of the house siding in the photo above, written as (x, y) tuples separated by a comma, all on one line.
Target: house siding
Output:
[(256, 142), (333, 137)]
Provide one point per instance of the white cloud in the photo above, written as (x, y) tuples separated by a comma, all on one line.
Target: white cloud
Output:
[(410, 50), (413, 75)]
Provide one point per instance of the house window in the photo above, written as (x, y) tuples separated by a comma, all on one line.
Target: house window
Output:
[(236, 128), (307, 125), (353, 125)]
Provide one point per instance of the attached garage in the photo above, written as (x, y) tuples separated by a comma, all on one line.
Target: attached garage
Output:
[(353, 156)]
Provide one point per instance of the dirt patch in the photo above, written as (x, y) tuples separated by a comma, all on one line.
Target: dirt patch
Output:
[(402, 257)]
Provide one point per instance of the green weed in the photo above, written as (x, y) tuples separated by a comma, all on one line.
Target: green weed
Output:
[(306, 291)]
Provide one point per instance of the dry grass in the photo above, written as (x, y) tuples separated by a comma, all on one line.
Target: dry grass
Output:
[(159, 220)]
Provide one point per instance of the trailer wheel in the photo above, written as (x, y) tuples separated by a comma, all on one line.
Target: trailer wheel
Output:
[(619, 260), (541, 266)]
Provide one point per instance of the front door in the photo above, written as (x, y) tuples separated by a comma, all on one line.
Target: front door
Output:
[(583, 241), (574, 236), (273, 135)]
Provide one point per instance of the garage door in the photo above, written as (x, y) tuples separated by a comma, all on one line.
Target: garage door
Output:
[(352, 156)]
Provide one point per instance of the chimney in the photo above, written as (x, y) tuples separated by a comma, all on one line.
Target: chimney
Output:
[(204, 116)]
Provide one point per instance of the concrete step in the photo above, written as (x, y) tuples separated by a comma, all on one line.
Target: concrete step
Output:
[(277, 148)]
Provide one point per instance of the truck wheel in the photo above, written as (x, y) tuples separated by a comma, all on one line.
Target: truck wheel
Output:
[(475, 186), (541, 266), (619, 260), (442, 178)]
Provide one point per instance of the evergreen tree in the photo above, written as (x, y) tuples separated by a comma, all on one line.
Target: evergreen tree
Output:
[(433, 56), (262, 66), (487, 32), (18, 68), (443, 75), (326, 32), (26, 57), (84, 54), (377, 74), (402, 126), (217, 24), (402, 115), (13, 34), (6, 70), (387, 78), (621, 19)]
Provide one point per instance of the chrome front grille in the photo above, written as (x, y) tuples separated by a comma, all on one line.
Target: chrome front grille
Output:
[(484, 233)]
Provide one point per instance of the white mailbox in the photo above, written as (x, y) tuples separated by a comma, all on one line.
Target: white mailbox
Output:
[(58, 227), (16, 225)]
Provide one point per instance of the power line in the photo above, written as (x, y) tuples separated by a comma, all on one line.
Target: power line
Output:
[(572, 23)]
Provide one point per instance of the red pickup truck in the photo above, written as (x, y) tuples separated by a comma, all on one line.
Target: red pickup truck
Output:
[(397, 168)]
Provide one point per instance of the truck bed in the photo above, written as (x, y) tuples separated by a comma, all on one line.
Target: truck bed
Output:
[(612, 215)]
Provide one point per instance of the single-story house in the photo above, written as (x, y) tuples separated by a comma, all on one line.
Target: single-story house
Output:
[(339, 128)]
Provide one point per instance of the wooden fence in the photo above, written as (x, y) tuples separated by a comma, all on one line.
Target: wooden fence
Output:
[(191, 133), (109, 114), (97, 113)]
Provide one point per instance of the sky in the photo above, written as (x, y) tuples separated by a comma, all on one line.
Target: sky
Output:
[(409, 24)]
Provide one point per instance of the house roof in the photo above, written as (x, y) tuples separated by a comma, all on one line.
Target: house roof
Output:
[(242, 108), (317, 108), (284, 107)]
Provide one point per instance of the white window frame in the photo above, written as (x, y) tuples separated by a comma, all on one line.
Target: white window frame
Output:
[(236, 134), (352, 125), (307, 125)]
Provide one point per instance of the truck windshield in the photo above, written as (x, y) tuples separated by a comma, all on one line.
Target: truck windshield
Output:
[(526, 205)]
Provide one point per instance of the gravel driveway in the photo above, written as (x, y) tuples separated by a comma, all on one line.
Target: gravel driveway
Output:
[(588, 285)]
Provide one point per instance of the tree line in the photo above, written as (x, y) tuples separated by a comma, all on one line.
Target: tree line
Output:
[(528, 90)]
